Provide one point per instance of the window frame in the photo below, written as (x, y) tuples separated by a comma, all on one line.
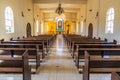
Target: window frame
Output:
[(110, 21), (9, 20)]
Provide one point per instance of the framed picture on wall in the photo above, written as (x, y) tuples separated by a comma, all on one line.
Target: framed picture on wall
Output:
[(59, 24)]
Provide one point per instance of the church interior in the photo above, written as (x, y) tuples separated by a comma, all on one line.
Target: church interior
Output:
[(59, 40)]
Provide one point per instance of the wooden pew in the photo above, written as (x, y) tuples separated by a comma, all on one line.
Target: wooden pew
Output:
[(18, 64), (34, 52), (80, 55), (95, 62), (115, 76), (94, 45), (77, 39), (73, 46), (46, 39), (32, 40), (27, 42)]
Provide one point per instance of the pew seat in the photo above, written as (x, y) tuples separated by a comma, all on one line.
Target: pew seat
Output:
[(17, 64), (97, 63), (33, 53)]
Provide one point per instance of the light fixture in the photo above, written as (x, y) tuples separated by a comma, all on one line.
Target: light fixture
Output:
[(22, 14), (59, 10)]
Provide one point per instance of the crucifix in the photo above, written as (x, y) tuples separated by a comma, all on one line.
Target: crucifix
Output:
[(68, 29)]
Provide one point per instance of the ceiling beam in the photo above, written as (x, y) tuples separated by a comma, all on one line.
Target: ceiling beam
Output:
[(65, 9), (61, 1)]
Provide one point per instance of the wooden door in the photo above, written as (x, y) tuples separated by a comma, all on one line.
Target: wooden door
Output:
[(28, 30), (90, 30)]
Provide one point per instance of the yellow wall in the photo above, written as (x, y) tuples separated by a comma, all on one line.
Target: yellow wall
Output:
[(51, 27), (45, 27), (74, 27), (68, 27)]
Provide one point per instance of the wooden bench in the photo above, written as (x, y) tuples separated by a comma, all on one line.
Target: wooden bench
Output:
[(47, 39), (34, 53), (72, 40), (91, 41), (32, 41), (17, 64), (95, 61), (80, 54), (28, 43), (115, 76)]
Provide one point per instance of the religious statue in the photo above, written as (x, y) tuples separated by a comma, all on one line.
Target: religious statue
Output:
[(68, 29)]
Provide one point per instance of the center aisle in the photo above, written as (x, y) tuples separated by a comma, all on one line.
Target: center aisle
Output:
[(58, 64)]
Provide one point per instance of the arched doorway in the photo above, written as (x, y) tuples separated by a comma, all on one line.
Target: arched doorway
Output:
[(90, 30), (28, 30)]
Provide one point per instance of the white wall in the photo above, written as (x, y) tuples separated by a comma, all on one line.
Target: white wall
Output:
[(37, 16), (91, 16), (82, 18), (20, 22), (99, 23), (104, 6)]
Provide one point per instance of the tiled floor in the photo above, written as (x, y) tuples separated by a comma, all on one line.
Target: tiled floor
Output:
[(58, 65)]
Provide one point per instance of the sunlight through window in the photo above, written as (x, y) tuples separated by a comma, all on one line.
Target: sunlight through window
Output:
[(9, 20), (109, 21)]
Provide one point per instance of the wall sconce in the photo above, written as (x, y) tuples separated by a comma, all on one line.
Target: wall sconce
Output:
[(37, 15), (22, 14), (34, 19), (90, 10), (84, 20), (29, 9), (97, 14)]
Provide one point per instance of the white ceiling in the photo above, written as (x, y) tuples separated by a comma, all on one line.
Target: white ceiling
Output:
[(67, 5)]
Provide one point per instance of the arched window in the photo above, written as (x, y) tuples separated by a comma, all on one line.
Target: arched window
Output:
[(9, 20), (109, 20)]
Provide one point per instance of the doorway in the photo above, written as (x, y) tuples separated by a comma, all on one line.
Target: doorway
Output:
[(28, 30), (90, 30)]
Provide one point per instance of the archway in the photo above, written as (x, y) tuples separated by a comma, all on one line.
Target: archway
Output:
[(90, 30), (28, 30)]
